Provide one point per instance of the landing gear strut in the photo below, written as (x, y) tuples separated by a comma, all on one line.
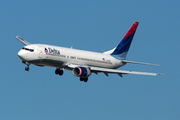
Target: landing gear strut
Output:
[(83, 79), (59, 72)]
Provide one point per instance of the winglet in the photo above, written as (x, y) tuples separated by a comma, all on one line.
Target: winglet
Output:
[(22, 40), (122, 48)]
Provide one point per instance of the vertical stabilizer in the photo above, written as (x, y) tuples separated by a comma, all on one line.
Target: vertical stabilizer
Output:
[(121, 50)]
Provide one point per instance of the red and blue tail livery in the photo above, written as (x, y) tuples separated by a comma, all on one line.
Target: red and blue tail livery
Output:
[(122, 48)]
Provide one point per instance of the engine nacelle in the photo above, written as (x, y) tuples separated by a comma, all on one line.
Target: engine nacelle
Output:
[(81, 72)]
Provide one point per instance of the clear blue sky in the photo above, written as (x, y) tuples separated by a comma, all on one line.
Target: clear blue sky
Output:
[(91, 25)]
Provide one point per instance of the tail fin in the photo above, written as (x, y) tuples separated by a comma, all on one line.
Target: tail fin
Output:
[(121, 50)]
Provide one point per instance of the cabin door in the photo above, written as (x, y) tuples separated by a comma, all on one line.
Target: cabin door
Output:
[(40, 53)]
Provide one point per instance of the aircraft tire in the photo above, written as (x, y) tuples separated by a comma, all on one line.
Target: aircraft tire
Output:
[(85, 79), (26, 68), (81, 79), (61, 72), (57, 71)]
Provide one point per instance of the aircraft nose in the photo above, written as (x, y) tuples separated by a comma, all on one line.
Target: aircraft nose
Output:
[(22, 54)]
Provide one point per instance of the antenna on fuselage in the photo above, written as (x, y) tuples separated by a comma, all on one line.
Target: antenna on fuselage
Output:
[(101, 50)]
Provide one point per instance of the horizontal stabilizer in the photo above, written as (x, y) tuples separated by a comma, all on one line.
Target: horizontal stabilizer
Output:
[(125, 61), (22, 40)]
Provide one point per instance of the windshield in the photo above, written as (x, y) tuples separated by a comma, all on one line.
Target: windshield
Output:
[(31, 50)]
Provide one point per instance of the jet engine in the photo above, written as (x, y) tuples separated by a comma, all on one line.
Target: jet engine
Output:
[(82, 72)]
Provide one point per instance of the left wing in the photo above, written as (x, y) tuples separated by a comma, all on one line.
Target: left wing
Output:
[(119, 72), (22, 40)]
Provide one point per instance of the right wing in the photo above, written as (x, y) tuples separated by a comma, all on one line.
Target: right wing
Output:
[(97, 69), (22, 40), (115, 71)]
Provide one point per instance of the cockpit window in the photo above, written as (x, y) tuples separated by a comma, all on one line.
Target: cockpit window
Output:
[(31, 50)]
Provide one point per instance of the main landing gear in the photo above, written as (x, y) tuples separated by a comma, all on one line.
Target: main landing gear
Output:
[(83, 79), (59, 72)]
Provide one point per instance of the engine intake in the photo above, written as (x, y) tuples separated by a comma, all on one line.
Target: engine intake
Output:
[(81, 72)]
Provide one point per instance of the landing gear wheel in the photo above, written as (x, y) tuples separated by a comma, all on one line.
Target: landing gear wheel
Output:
[(81, 79), (84, 79), (61, 72), (27, 68), (57, 71)]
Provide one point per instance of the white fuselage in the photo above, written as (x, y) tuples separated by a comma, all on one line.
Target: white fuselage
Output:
[(60, 57)]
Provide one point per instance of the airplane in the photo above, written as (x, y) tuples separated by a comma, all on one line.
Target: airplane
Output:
[(82, 63)]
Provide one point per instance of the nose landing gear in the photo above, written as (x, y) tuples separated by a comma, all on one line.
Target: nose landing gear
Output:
[(27, 68)]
